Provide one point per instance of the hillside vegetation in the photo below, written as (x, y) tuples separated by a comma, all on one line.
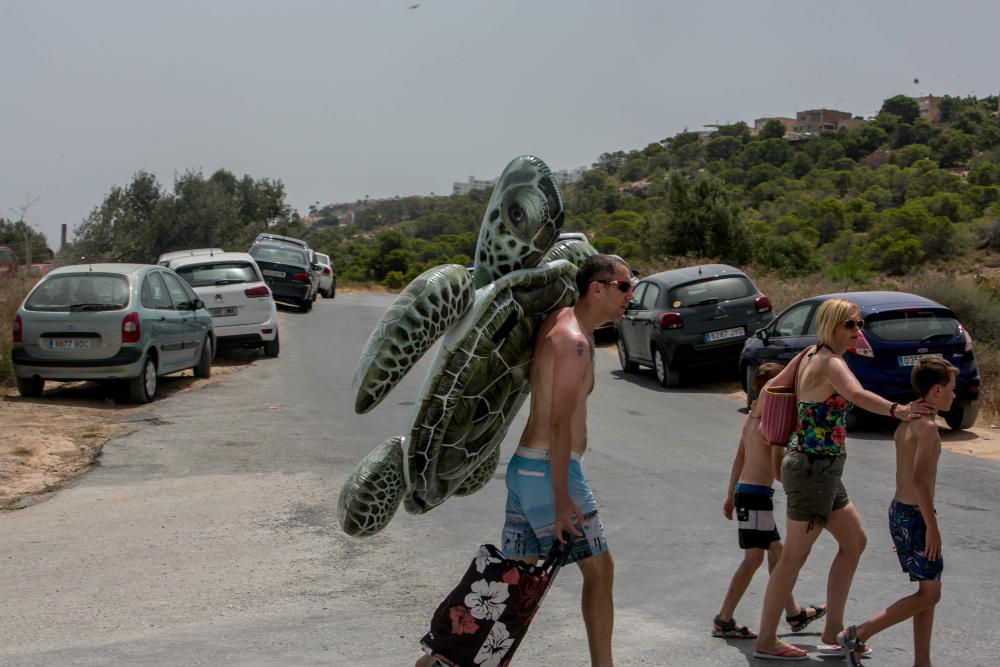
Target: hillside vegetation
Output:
[(898, 203)]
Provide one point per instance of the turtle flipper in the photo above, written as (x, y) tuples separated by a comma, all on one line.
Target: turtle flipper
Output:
[(481, 475), (372, 493), (573, 250), (434, 301)]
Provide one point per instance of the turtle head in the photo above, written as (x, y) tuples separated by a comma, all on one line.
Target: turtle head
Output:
[(522, 220)]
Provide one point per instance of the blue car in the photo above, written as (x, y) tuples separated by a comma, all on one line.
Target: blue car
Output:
[(899, 329)]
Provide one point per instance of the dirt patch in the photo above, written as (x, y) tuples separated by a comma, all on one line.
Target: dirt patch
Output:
[(981, 441), (48, 441)]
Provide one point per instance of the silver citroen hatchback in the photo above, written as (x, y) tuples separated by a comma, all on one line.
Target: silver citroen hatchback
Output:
[(131, 322)]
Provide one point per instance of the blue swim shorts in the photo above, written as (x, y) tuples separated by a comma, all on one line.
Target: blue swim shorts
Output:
[(529, 527), (755, 516), (908, 530)]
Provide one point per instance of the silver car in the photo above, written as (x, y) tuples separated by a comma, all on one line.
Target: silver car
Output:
[(131, 322)]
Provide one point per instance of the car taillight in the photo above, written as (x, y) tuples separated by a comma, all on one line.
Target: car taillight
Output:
[(763, 304), (671, 321), (968, 340), (17, 328), (326, 271), (130, 328), (862, 347), (300, 277), (258, 291)]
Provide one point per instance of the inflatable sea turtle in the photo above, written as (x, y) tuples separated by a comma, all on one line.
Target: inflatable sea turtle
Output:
[(479, 378)]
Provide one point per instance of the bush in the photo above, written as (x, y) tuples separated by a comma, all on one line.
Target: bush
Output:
[(394, 280)]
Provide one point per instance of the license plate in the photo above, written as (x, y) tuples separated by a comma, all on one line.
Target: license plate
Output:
[(222, 312), (736, 332), (912, 359), (273, 274), (69, 343)]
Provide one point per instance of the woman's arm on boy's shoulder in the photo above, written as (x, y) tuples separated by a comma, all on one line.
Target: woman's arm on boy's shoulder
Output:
[(925, 432)]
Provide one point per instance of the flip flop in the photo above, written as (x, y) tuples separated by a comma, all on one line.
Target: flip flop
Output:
[(801, 620), (790, 653)]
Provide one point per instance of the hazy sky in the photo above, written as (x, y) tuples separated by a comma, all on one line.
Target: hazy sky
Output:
[(341, 99)]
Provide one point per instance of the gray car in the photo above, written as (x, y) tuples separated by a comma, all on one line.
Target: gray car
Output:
[(690, 318), (130, 322)]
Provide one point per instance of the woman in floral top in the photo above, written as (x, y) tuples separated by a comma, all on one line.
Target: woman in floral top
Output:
[(811, 475)]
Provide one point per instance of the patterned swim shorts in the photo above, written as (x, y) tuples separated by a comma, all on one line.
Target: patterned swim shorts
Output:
[(755, 514), (909, 532)]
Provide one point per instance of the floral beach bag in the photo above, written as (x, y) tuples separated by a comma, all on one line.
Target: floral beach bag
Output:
[(779, 408), (483, 620)]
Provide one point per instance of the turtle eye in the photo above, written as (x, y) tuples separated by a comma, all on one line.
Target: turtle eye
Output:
[(515, 213)]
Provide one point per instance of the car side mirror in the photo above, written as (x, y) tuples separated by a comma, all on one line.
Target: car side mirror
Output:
[(316, 267), (762, 334), (197, 304)]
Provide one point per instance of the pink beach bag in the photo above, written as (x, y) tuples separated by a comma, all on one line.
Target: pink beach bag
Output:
[(779, 409)]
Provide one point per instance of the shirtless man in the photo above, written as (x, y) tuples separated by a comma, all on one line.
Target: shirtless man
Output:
[(913, 522), (547, 494)]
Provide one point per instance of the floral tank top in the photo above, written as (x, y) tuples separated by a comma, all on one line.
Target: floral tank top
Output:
[(822, 427)]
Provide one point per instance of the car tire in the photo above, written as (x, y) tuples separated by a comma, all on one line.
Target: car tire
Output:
[(30, 387), (333, 291), (142, 389), (272, 347), (204, 367), (305, 305), (627, 364), (748, 373), (961, 416), (667, 376)]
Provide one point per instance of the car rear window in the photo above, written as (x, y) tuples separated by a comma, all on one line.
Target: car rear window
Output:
[(912, 325), (80, 292), (279, 255), (7, 255), (218, 273), (712, 290)]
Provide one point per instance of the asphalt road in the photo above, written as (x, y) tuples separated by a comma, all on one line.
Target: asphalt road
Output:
[(209, 536)]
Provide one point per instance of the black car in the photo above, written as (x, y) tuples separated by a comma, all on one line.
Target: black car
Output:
[(690, 318), (288, 271), (899, 329)]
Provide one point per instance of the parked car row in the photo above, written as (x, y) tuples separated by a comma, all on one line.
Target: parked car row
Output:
[(687, 319), (137, 322)]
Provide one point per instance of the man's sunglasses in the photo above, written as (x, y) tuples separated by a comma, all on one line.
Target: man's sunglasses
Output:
[(623, 285), (851, 324)]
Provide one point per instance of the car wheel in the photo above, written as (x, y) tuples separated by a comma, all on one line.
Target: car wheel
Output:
[(748, 374), (30, 387), (305, 305), (204, 367), (667, 376), (142, 389), (627, 364), (272, 347), (333, 291), (961, 416)]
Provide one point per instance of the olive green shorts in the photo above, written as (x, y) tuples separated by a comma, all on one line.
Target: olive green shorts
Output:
[(813, 488)]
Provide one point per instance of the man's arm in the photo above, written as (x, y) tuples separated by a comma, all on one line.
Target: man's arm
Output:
[(734, 476), (571, 358), (925, 432)]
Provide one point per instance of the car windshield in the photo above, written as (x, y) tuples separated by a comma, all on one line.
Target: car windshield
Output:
[(279, 255), (912, 325), (218, 273), (80, 292), (710, 290)]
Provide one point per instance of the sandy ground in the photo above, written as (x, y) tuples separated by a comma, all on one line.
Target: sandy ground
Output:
[(47, 442)]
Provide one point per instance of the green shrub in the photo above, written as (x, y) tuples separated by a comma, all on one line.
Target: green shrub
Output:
[(394, 280)]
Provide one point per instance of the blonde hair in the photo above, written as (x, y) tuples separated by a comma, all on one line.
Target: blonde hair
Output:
[(830, 315)]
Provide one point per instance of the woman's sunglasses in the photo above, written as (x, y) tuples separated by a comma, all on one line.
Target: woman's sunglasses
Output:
[(623, 285), (850, 325)]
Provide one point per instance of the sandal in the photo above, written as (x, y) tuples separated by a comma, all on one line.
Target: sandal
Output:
[(851, 645), (801, 620), (789, 653), (731, 630)]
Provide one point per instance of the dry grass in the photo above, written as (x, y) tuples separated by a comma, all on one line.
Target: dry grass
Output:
[(12, 291)]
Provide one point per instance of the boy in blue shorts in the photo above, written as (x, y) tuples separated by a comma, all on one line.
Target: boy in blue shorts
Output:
[(912, 520), (755, 467)]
